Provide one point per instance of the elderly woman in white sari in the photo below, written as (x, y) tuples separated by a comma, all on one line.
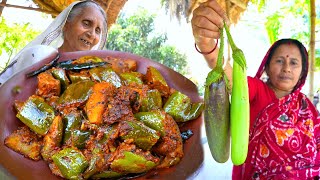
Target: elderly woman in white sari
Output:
[(81, 26)]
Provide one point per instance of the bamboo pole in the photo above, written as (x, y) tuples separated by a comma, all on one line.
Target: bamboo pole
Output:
[(312, 48)]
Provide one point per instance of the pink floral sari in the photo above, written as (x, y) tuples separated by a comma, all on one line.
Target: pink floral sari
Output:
[(285, 139)]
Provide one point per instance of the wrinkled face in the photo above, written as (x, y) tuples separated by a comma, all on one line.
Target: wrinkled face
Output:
[(84, 31), (285, 68)]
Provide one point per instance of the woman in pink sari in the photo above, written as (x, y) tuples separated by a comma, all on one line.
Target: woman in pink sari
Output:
[(284, 141)]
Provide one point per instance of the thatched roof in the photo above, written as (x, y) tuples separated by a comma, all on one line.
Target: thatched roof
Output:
[(176, 8), (112, 7)]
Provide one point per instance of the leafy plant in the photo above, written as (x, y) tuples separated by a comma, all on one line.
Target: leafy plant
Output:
[(13, 38), (136, 34)]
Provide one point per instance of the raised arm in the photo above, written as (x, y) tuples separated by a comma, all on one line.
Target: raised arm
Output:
[(206, 21)]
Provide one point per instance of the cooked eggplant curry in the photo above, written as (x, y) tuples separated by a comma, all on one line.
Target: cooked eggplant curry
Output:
[(92, 118)]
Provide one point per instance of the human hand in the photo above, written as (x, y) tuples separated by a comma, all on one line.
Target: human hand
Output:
[(207, 19)]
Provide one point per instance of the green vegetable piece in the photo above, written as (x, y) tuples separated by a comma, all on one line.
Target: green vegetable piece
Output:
[(61, 75), (77, 93), (179, 106), (79, 138), (153, 101), (157, 76), (107, 174), (52, 139), (88, 59), (96, 160), (130, 77), (132, 163), (156, 81), (71, 163), (72, 121), (143, 136), (105, 74), (36, 114), (154, 120), (108, 132), (77, 77)]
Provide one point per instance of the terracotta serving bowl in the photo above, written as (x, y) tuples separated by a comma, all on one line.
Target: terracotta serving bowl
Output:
[(16, 166)]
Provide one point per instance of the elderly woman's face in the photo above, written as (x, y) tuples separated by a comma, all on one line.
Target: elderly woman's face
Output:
[(84, 31), (285, 68)]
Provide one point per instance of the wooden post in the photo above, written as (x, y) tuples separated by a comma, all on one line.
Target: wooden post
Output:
[(312, 48), (1, 7)]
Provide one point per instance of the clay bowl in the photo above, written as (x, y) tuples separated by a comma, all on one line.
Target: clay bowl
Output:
[(18, 167)]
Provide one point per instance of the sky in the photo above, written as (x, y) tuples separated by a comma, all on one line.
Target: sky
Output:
[(249, 33)]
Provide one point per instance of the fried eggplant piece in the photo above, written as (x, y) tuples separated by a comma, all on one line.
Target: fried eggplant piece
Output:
[(180, 107), (155, 80), (36, 114), (132, 77), (52, 140), (122, 65), (71, 163), (140, 134), (105, 74), (170, 144), (47, 85), (25, 142), (97, 101), (119, 108), (75, 95), (61, 75), (97, 162), (79, 76), (87, 59), (151, 100), (129, 159)]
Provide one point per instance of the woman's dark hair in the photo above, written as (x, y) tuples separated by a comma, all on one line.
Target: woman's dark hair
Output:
[(301, 48)]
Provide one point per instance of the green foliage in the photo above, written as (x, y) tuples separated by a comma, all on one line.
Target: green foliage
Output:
[(259, 3), (273, 25), (13, 38), (299, 11), (135, 34), (317, 63)]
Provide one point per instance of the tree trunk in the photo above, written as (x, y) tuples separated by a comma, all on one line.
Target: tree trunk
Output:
[(2, 7), (312, 48)]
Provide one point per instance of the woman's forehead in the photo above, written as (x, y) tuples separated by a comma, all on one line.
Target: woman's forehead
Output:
[(288, 49), (90, 13)]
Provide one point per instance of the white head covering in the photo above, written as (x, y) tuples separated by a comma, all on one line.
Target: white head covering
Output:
[(45, 44)]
